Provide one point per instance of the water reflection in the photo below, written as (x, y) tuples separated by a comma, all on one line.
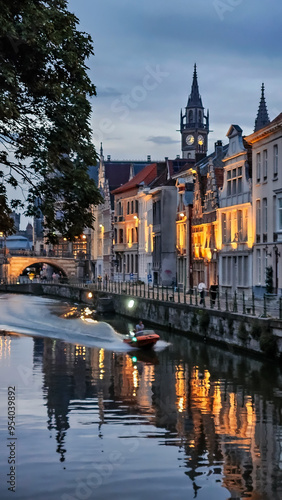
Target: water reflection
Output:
[(222, 411)]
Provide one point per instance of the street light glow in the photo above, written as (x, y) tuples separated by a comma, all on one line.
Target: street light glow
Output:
[(130, 304)]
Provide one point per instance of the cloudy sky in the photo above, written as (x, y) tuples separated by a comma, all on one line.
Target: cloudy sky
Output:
[(143, 66)]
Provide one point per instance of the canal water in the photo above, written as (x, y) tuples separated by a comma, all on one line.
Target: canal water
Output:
[(83, 416)]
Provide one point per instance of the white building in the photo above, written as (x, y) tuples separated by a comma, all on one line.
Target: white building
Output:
[(267, 203), (235, 234)]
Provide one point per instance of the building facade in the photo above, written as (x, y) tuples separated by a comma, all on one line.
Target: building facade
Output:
[(234, 217), (266, 145)]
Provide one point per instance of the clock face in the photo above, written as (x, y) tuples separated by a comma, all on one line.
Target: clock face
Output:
[(190, 139), (200, 140)]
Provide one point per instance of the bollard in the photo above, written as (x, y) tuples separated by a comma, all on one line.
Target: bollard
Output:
[(235, 307), (253, 304), (218, 299), (264, 306), (226, 301)]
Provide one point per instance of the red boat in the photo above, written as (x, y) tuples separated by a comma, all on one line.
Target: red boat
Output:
[(145, 340)]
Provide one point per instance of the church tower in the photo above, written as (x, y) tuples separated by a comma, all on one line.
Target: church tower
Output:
[(194, 125)]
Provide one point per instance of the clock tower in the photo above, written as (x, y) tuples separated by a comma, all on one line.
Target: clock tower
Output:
[(194, 125)]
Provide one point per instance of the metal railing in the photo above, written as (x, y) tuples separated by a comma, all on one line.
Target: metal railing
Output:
[(239, 303)]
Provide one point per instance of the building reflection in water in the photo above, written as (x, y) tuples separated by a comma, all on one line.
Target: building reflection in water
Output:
[(214, 411)]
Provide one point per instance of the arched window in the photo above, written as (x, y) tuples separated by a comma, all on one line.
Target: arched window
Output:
[(190, 116), (200, 117)]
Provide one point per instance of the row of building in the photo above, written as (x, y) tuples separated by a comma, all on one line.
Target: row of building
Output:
[(214, 219)]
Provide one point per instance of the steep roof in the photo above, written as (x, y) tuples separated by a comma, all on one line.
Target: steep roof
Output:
[(194, 100), (262, 118), (146, 176)]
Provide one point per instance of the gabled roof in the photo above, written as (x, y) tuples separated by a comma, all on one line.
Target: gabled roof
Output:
[(146, 176)]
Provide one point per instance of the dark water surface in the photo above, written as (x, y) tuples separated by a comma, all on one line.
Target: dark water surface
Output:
[(95, 420)]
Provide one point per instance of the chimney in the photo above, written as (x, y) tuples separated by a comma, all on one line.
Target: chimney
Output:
[(148, 157), (218, 148), (109, 158)]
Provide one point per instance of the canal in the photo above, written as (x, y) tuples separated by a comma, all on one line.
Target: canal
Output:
[(83, 416)]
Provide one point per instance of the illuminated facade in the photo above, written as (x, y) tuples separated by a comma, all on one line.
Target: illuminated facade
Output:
[(234, 216), (133, 238), (267, 203), (209, 179)]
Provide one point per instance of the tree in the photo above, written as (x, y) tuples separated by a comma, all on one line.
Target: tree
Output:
[(45, 114)]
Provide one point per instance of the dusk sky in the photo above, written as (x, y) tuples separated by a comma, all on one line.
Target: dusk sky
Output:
[(143, 66)]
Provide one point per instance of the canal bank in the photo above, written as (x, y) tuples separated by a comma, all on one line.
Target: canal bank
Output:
[(245, 331)]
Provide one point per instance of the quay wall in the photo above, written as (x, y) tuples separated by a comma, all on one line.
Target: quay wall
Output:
[(254, 334)]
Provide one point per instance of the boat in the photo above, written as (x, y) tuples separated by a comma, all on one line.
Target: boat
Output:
[(144, 340)]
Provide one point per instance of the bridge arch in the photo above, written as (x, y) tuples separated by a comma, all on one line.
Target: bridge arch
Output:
[(17, 264)]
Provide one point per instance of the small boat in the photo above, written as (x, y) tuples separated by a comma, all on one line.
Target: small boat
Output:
[(145, 340)]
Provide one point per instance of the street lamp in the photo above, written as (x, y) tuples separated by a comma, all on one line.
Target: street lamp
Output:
[(137, 226)]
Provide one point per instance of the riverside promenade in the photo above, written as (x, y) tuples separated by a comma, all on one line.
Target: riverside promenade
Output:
[(236, 321)]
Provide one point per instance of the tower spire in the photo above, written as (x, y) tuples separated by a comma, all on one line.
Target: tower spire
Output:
[(194, 99), (262, 118)]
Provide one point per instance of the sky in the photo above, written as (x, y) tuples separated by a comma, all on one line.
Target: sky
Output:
[(143, 66)]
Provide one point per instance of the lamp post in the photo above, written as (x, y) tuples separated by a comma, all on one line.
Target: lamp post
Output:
[(277, 254), (137, 227)]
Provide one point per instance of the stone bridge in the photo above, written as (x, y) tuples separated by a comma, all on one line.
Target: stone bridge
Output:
[(68, 266)]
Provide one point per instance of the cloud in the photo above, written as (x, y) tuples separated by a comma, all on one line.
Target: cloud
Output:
[(108, 92), (161, 139)]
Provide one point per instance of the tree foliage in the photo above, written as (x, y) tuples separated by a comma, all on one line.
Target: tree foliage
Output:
[(45, 111)]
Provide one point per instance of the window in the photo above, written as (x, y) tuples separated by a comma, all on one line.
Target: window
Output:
[(136, 206), (259, 266), (224, 235), (190, 116), (279, 214), (234, 181), (275, 160), (128, 207), (229, 183), (264, 215), (132, 207), (265, 163), (136, 264), (240, 225), (258, 217), (258, 167), (121, 236), (228, 232)]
